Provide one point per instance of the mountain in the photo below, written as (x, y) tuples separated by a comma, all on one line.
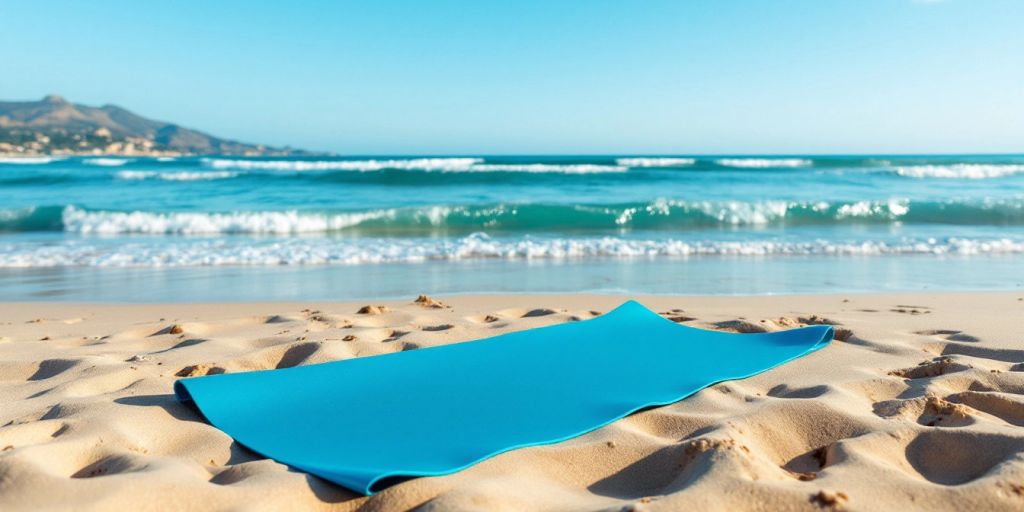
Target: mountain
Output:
[(57, 126)]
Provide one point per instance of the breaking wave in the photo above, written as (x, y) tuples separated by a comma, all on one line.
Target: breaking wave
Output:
[(662, 214), (27, 160), (414, 164), (656, 162), (419, 164), (760, 163), (328, 251), (961, 171), (544, 168), (106, 162), (502, 217), (175, 176)]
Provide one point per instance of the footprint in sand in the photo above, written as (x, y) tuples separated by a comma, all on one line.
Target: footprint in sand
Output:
[(1006, 355), (956, 457), (949, 335), (319, 317), (394, 336), (838, 333), (436, 328), (539, 312), (198, 370), (675, 317), (930, 411), (911, 310), (52, 367), (740, 326), (943, 413), (1005, 406), (785, 391), (934, 368), (297, 354)]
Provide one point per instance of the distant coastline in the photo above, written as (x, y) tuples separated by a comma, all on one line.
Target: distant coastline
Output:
[(54, 126), (132, 149)]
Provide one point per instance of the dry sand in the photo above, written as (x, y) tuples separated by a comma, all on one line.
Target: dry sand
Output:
[(919, 407)]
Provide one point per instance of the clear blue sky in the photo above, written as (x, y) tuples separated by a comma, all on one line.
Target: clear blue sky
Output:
[(446, 77)]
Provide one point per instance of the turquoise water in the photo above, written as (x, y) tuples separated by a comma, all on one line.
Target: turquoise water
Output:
[(224, 228)]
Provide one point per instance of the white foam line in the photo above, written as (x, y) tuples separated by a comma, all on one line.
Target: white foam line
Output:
[(415, 164), (27, 160), (327, 251), (961, 171), (757, 163), (76, 220), (425, 164), (545, 168), (106, 162), (656, 162), (175, 176)]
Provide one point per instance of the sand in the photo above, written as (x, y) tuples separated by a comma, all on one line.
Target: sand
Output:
[(920, 406)]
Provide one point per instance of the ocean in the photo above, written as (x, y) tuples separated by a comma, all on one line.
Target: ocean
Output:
[(322, 228)]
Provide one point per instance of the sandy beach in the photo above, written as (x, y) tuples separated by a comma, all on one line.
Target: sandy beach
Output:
[(918, 406)]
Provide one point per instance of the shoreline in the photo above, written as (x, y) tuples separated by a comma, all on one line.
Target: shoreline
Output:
[(468, 298), (695, 276), (919, 405)]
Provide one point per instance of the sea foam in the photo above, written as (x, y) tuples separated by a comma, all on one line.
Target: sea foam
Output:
[(76, 220), (545, 168), (659, 214), (961, 171), (414, 164), (328, 251), (175, 176), (764, 162), (655, 162), (27, 160), (106, 162), (419, 164)]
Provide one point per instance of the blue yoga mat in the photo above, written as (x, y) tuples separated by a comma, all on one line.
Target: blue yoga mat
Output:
[(370, 422)]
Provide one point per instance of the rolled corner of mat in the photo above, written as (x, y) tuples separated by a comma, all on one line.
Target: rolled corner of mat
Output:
[(370, 422)]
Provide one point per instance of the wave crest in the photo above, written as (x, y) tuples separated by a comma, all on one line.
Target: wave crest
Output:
[(414, 164), (188, 223), (546, 168), (760, 163), (418, 164), (656, 162), (27, 160), (106, 162), (175, 176), (327, 251), (659, 215), (961, 171)]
